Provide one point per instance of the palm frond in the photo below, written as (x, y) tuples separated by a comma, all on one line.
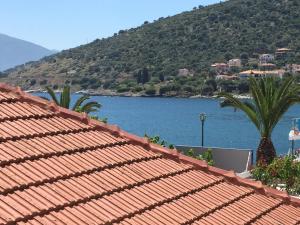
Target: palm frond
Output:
[(52, 95), (231, 101), (90, 107), (65, 97), (270, 102), (79, 102)]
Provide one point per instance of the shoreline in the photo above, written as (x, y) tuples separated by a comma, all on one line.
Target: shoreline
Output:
[(114, 94)]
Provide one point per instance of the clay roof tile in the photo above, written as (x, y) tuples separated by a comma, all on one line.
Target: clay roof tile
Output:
[(61, 167)]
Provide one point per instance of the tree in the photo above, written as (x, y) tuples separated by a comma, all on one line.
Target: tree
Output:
[(143, 76), (244, 58), (79, 106), (228, 56), (270, 101)]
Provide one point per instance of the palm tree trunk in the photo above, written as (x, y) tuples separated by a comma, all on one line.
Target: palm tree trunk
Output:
[(265, 152)]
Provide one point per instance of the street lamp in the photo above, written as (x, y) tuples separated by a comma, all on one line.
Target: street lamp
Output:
[(202, 119)]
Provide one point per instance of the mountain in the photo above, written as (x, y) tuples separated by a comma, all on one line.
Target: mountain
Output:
[(171, 55), (14, 52)]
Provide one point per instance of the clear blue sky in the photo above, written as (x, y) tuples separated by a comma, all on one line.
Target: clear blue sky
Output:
[(62, 24)]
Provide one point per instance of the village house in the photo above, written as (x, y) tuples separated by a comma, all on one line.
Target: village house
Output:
[(293, 68), (220, 67), (267, 66), (282, 52), (62, 167), (226, 77), (266, 58), (260, 74), (184, 72), (235, 63)]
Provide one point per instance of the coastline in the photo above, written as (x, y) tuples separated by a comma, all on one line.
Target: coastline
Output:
[(110, 93)]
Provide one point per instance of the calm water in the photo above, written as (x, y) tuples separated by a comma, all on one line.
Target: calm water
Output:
[(177, 121)]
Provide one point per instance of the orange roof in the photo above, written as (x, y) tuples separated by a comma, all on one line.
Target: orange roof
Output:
[(60, 167), (252, 72), (283, 49)]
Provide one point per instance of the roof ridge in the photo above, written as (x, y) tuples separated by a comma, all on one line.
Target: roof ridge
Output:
[(144, 142)]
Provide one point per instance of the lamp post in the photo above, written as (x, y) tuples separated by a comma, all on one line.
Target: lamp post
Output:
[(202, 119)]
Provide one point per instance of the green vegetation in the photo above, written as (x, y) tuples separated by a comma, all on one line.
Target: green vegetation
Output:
[(271, 99), (206, 156), (152, 55), (157, 140), (283, 172), (79, 106)]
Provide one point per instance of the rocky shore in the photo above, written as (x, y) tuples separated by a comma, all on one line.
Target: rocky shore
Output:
[(130, 94)]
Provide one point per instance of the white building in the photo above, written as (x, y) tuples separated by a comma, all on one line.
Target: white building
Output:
[(293, 68), (266, 58), (234, 63)]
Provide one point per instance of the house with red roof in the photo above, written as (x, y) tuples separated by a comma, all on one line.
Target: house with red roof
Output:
[(61, 167)]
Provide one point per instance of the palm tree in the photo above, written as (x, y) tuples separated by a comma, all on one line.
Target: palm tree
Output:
[(270, 101), (79, 106)]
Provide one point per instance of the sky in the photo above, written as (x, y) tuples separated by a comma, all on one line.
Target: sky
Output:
[(63, 24)]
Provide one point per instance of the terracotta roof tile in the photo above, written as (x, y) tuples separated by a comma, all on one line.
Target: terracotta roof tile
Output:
[(60, 167)]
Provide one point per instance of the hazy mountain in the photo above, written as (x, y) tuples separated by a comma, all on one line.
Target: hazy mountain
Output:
[(15, 51), (149, 58)]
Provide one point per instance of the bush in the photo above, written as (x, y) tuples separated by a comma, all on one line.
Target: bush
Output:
[(137, 89), (159, 141), (207, 90), (283, 171), (122, 88), (206, 156), (150, 91), (43, 82), (32, 82)]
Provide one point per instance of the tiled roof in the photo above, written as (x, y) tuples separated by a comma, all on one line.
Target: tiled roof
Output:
[(59, 167)]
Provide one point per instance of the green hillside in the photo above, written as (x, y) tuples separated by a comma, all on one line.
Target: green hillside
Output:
[(148, 58)]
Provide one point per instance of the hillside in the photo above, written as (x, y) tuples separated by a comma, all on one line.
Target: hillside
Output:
[(171, 54), (14, 52)]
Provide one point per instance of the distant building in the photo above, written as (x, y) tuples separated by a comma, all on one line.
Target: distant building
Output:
[(267, 66), (234, 63), (250, 73), (260, 74), (282, 52), (266, 58), (220, 67), (184, 72), (226, 77), (293, 68)]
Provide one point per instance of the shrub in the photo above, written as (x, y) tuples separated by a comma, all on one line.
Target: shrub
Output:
[(43, 82), (137, 89), (157, 140), (206, 156), (207, 90), (32, 82), (123, 88), (283, 171), (150, 91)]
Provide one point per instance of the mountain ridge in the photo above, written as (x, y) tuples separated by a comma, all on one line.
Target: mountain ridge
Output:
[(147, 59), (15, 51)]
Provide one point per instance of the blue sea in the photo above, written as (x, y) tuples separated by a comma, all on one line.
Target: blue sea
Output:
[(176, 120)]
